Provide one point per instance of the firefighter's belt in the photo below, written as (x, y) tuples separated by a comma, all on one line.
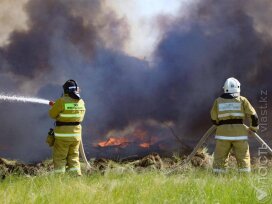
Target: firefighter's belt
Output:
[(230, 121), (58, 123)]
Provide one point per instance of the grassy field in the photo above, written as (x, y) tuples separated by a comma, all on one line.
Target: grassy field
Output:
[(120, 185)]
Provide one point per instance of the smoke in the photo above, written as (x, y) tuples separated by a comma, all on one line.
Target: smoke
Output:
[(83, 40), (12, 18), (216, 41)]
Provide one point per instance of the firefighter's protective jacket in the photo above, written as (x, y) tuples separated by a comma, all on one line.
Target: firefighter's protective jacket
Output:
[(226, 109), (68, 110)]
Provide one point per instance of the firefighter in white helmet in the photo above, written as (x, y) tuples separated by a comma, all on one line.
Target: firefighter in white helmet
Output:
[(228, 113), (68, 111)]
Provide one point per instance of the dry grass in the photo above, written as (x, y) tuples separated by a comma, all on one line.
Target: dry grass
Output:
[(140, 181)]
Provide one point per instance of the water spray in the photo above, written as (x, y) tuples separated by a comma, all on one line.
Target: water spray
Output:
[(14, 98)]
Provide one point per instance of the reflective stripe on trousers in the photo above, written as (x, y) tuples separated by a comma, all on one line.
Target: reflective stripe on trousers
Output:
[(74, 169), (62, 170), (219, 170), (245, 170), (224, 171), (219, 137)]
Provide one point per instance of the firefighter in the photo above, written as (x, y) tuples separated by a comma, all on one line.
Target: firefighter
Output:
[(68, 111), (228, 113)]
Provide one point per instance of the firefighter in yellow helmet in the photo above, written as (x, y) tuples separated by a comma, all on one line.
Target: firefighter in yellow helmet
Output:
[(68, 111), (228, 113)]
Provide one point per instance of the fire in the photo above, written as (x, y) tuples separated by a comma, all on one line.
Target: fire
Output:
[(138, 136), (122, 142), (145, 145), (114, 142)]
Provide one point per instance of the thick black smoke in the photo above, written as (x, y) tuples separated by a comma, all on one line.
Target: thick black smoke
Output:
[(198, 52), (82, 40)]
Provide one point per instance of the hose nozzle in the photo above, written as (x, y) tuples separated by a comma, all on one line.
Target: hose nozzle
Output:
[(51, 103)]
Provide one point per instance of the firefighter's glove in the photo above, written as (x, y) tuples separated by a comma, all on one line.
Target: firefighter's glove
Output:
[(254, 129)]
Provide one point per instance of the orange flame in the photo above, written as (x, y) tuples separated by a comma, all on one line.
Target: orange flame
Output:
[(114, 142), (138, 136), (145, 145)]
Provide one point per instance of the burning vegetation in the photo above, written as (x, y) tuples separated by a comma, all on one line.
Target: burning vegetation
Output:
[(138, 141), (139, 137)]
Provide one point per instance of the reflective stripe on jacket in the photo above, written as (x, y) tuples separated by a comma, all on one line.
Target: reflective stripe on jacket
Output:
[(67, 109)]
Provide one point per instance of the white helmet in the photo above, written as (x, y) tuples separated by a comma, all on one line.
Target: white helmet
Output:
[(232, 85)]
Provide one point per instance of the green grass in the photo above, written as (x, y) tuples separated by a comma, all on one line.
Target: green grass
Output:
[(119, 186)]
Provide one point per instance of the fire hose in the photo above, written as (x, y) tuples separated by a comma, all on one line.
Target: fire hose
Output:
[(83, 156), (204, 138)]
